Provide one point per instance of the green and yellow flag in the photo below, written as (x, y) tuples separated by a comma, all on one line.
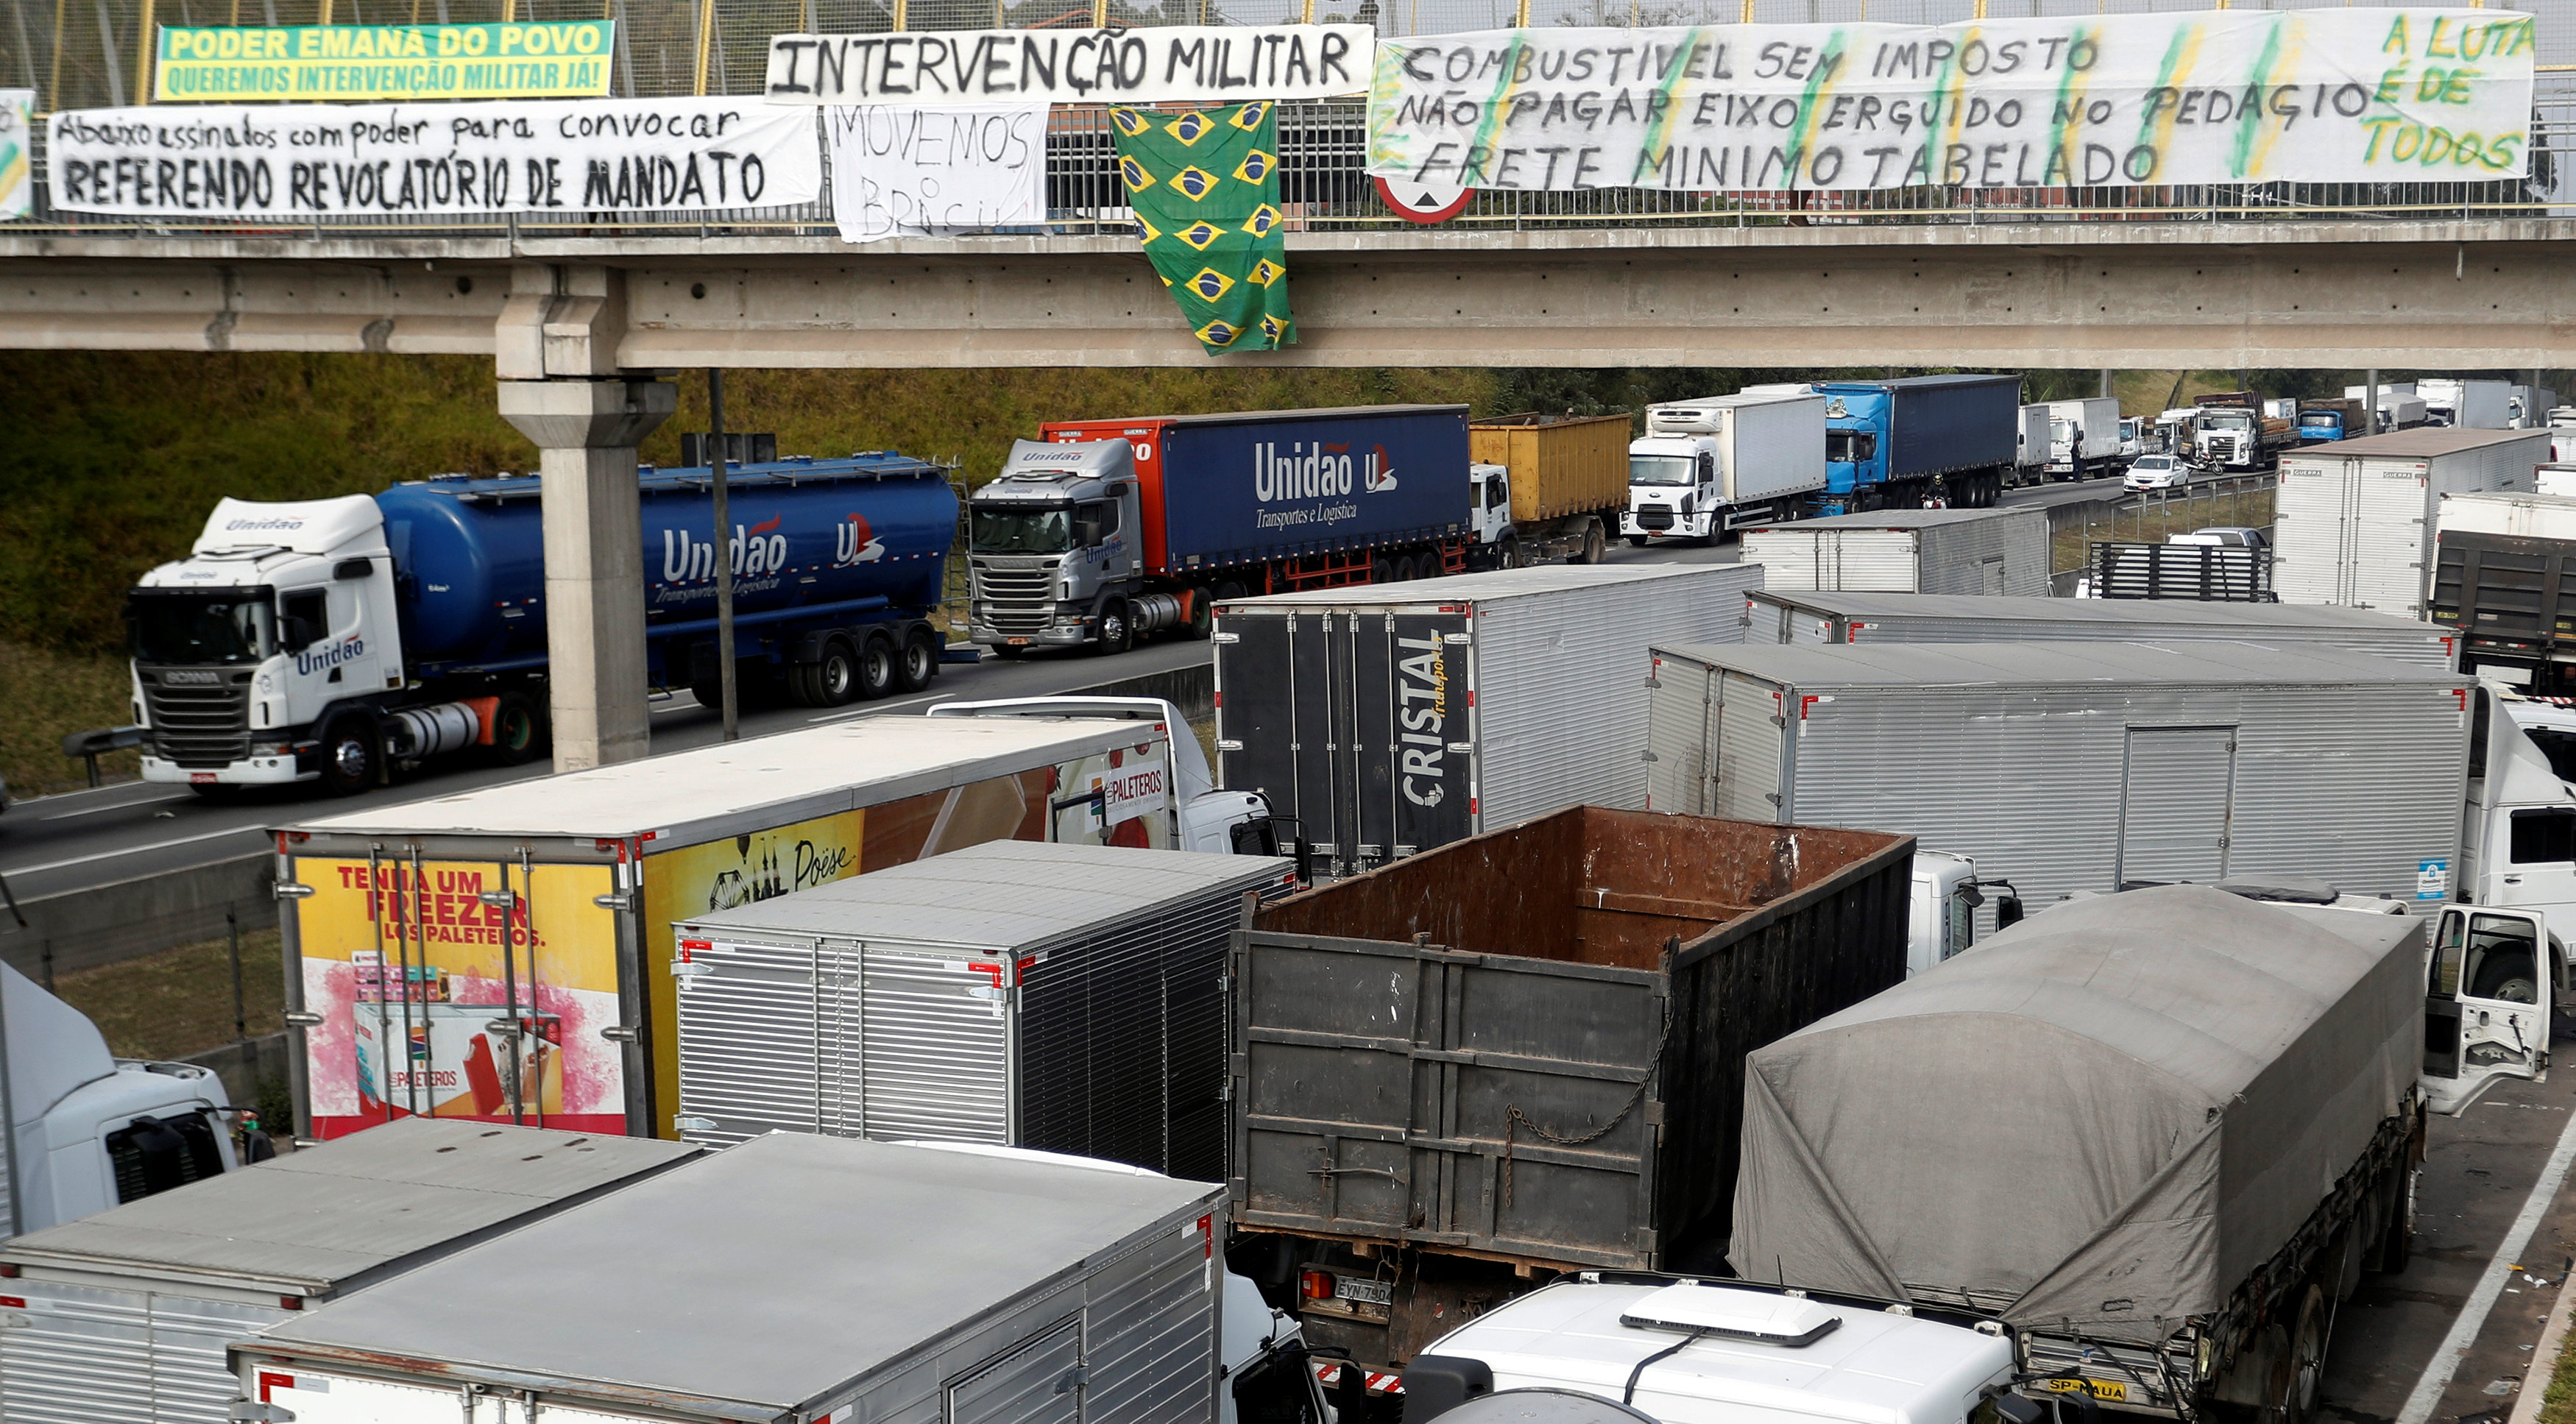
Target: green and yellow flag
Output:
[(1205, 187)]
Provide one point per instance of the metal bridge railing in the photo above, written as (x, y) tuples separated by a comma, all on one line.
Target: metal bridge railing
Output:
[(86, 54)]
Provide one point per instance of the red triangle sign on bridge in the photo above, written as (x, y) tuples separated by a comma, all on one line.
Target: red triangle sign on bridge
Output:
[(1419, 202)]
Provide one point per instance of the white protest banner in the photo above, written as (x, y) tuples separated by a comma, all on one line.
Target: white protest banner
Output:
[(17, 153), (2225, 96), (1114, 66), (307, 160), (901, 171)]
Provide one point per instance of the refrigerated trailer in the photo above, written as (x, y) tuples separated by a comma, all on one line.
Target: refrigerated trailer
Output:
[(2353, 521), (1790, 616), (2067, 767), (1083, 1011), (1386, 721), (513, 961), (125, 1315), (2003, 551), (1522, 1054), (796, 1278)]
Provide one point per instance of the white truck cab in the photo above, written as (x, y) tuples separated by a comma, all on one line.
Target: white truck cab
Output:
[(280, 613), (86, 1131), (1674, 487), (1941, 914), (1710, 1352)]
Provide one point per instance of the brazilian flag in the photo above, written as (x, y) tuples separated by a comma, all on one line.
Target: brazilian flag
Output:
[(1205, 187)]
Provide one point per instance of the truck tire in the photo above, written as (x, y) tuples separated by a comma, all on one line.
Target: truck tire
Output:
[(921, 651), (1509, 557), (1381, 570), (352, 750), (518, 730), (1596, 545), (831, 680), (2300, 1376), (1009, 652), (1636, 541), (876, 663), (1117, 634), (1202, 615)]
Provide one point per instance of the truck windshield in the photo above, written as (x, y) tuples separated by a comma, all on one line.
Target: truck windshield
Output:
[(234, 626), (2227, 420), (1022, 531), (1659, 469)]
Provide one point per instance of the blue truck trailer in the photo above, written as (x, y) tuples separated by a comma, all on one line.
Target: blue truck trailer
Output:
[(1103, 531), (339, 639), (1895, 444)]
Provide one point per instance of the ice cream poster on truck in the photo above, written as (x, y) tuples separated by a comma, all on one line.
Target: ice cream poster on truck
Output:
[(460, 989)]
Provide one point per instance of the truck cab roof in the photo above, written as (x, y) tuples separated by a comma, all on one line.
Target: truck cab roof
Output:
[(1765, 1356)]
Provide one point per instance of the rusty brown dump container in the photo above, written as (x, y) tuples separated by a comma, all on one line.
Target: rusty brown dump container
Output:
[(1530, 1045), (1577, 465)]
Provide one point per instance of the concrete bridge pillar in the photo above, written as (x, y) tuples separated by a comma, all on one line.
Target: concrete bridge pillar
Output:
[(586, 433), (555, 349)]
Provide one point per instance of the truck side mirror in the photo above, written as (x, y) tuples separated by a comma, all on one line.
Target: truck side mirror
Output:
[(297, 634), (1086, 532)]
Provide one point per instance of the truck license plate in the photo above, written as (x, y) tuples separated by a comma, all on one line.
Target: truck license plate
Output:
[(1017, 642), (1371, 1292), (2101, 1389), (201, 778)]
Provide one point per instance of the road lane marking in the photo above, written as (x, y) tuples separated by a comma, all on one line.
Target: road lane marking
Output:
[(119, 806), (2473, 1316), (124, 851)]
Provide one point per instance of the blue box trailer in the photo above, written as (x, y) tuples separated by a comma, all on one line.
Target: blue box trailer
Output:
[(1245, 489), (1896, 443)]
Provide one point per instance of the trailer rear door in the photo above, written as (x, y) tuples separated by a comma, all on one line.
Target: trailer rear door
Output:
[(2177, 801)]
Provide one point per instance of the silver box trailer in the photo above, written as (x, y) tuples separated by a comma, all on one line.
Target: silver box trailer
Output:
[(1083, 1011), (1988, 551), (2353, 522), (2065, 767), (1392, 719), (1772, 616), (799, 1278), (125, 1315)]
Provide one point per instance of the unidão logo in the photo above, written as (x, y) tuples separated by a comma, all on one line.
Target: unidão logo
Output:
[(854, 543), (1317, 471), (274, 521), (313, 660)]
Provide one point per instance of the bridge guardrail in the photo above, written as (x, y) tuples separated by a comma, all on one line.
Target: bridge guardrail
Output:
[(83, 56)]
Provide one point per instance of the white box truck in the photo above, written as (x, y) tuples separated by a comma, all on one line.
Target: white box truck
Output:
[(1082, 1012), (2083, 437), (2467, 404), (1706, 466), (1979, 551), (2353, 522), (809, 1278), (504, 953), (2030, 457), (1394, 718), (125, 1315), (1778, 616), (2162, 761)]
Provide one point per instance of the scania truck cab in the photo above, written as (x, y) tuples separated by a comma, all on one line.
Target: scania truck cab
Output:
[(1056, 548)]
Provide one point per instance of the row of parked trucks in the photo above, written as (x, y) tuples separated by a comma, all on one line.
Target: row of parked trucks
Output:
[(1550, 1085)]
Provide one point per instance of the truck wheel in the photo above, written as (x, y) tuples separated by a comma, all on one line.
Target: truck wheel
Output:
[(1636, 541), (921, 650), (876, 665), (831, 680), (350, 755), (1009, 652), (518, 730), (2303, 1366), (1381, 571), (1116, 633), (1202, 615), (1596, 545), (1510, 557)]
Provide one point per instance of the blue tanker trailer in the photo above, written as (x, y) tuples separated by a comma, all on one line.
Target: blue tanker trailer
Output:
[(338, 639)]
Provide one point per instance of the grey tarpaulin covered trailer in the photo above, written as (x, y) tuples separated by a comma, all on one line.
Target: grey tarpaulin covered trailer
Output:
[(2099, 1123), (794, 1278), (1777, 616), (125, 1314)]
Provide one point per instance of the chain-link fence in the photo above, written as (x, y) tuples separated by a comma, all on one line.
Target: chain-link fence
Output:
[(90, 54)]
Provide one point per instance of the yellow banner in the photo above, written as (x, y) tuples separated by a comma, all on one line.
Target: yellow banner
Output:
[(560, 60)]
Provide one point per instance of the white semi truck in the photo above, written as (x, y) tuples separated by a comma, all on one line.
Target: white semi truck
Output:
[(1706, 466), (2083, 437)]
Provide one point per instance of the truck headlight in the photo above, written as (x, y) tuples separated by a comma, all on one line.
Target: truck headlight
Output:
[(263, 749)]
